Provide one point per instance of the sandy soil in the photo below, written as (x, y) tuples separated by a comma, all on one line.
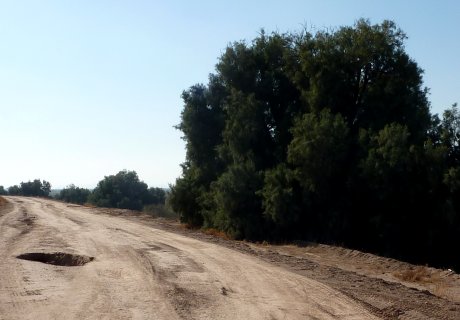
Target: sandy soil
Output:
[(127, 270), (374, 282), (117, 264)]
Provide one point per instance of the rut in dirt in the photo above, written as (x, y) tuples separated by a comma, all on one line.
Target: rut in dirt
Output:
[(57, 258)]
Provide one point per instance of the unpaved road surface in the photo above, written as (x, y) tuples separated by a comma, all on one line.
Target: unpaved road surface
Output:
[(120, 264), (140, 272)]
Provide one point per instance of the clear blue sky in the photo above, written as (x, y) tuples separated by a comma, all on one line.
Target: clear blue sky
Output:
[(88, 88)]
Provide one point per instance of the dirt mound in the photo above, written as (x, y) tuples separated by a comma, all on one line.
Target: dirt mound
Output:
[(57, 258)]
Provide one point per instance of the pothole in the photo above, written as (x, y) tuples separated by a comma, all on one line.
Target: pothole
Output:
[(57, 258)]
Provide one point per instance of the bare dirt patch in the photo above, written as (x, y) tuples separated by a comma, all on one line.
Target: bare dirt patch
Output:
[(57, 258), (5, 206), (144, 272), (375, 282)]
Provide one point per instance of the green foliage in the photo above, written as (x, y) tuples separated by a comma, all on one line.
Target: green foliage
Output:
[(388, 152), (318, 149), (185, 198), (3, 191), (123, 190), (202, 124), (160, 210), (74, 194), (324, 137), (452, 179), (14, 190), (449, 133), (36, 188), (363, 73), (283, 201), (156, 196), (234, 206)]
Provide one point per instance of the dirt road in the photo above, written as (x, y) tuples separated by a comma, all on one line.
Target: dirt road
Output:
[(139, 272)]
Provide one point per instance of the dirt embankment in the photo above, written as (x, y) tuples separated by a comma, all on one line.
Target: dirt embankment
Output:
[(391, 289), (73, 262)]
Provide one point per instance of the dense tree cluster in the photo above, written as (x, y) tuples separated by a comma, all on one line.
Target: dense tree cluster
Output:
[(324, 137), (124, 190), (74, 194), (36, 188)]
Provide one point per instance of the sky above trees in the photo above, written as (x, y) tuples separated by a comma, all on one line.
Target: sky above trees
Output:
[(89, 88)]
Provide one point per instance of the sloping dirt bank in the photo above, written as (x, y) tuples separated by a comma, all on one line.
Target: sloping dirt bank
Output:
[(142, 268), (389, 288)]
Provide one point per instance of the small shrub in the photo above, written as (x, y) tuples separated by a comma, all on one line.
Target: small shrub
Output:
[(216, 233), (160, 211), (417, 274), (440, 289)]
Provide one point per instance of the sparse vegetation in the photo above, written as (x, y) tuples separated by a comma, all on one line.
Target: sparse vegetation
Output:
[(160, 211), (415, 274), (216, 233), (441, 290)]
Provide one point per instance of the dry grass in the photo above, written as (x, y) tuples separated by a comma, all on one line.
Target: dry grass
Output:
[(188, 226), (160, 211), (416, 274), (2, 201), (440, 289), (432, 281), (89, 205), (216, 233)]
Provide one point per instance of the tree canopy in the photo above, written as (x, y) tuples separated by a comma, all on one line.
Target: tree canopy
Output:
[(74, 194), (324, 137), (125, 191), (35, 188)]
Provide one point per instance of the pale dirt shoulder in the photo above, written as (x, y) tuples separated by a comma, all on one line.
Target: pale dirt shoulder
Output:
[(443, 283), (389, 288), (64, 262)]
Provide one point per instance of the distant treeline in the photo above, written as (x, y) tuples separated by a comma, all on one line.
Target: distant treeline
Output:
[(123, 190), (36, 188), (324, 137)]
